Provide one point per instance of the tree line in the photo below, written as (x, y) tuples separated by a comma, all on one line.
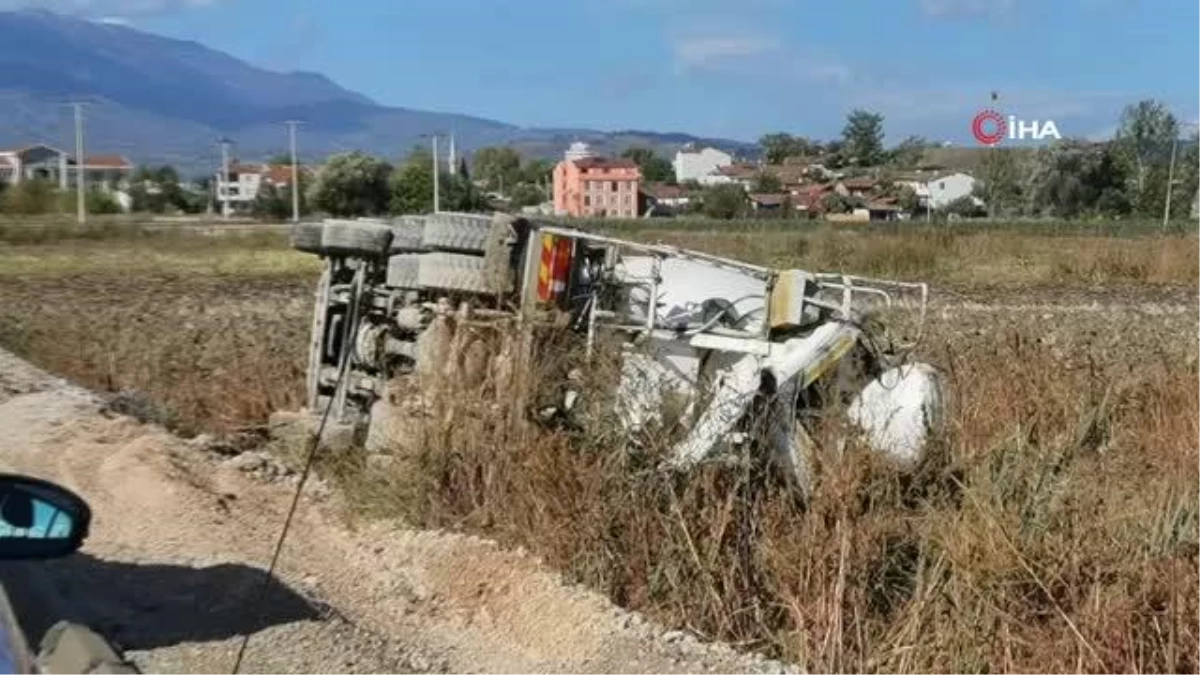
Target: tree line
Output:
[(359, 184), (1073, 177), (1127, 176)]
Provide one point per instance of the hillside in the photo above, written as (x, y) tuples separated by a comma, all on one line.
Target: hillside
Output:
[(157, 99)]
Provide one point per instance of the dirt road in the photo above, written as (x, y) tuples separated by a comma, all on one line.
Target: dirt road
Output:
[(180, 537)]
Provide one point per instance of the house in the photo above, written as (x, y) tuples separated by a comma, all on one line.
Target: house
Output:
[(246, 180), (107, 172), (671, 197), (810, 198), (699, 166), (939, 189), (587, 185), (240, 189), (739, 174), (883, 209), (857, 187), (769, 202)]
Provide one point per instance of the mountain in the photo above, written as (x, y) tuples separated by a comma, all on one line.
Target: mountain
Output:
[(157, 99)]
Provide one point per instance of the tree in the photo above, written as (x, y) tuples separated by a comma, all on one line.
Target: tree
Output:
[(907, 199), (412, 183), (779, 146), (273, 203), (909, 151), (1000, 182), (1107, 181), (862, 138), (835, 151), (526, 194), (724, 201), (498, 167), (411, 188), (352, 184), (460, 194), (767, 183), (654, 169), (537, 172), (1144, 137), (1074, 178), (156, 189), (1187, 176)]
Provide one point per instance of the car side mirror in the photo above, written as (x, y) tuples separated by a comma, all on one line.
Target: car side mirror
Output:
[(39, 519)]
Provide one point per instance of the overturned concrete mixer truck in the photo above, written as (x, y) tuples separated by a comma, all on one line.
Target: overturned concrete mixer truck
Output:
[(734, 340)]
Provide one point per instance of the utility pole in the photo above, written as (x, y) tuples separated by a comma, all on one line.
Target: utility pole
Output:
[(436, 171), (1170, 182), (223, 188), (291, 124), (80, 207)]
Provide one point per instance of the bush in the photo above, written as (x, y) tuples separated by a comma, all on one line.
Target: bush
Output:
[(354, 184), (966, 207), (100, 202), (725, 202), (30, 197)]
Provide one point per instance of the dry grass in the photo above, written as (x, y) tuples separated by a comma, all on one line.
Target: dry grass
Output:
[(1056, 530), (986, 258)]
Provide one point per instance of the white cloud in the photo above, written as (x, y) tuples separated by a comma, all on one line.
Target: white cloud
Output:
[(817, 70), (114, 20), (106, 9), (967, 8), (757, 57), (701, 51)]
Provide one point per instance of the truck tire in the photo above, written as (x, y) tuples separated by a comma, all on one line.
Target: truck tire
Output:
[(402, 271), (307, 237), (457, 232), (407, 232), (453, 272), (356, 238)]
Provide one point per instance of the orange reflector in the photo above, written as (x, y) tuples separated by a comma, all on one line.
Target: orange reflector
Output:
[(555, 268)]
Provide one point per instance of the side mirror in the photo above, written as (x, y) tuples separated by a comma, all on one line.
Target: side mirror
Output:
[(39, 519)]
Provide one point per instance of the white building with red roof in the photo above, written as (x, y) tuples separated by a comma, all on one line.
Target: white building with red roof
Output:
[(44, 162)]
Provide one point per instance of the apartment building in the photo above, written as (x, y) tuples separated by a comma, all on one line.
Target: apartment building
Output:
[(589, 186)]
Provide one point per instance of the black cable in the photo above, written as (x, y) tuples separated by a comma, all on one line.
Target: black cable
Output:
[(309, 459)]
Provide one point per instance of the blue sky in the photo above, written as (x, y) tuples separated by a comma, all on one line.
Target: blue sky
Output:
[(734, 68)]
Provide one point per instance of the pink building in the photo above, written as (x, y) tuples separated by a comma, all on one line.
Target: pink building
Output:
[(585, 185)]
